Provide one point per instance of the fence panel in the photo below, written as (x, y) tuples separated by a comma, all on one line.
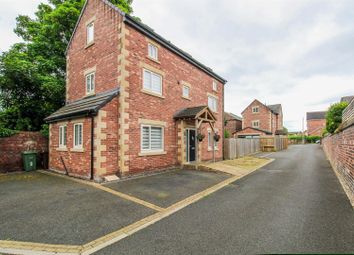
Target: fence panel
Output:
[(240, 147)]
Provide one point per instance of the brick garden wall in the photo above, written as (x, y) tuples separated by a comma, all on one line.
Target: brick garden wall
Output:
[(339, 148), (12, 147)]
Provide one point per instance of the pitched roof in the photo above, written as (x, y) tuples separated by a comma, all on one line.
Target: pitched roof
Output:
[(316, 115), (190, 112), (276, 108), (146, 30), (230, 115), (347, 99), (257, 129), (88, 106)]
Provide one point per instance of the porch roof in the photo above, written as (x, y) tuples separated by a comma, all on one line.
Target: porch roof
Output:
[(194, 113), (88, 106)]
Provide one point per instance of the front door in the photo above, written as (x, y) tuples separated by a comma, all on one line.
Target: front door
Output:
[(191, 144)]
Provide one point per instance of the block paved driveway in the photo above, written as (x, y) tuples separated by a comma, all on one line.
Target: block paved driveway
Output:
[(293, 205)]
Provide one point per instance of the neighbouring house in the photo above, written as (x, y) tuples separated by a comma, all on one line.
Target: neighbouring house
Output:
[(261, 120), (233, 123), (316, 123), (134, 101)]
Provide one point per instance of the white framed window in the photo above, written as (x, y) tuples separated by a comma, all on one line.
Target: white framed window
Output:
[(215, 86), (90, 83), (62, 136), (255, 123), (213, 103), (186, 91), (255, 109), (211, 141), (152, 82), (90, 33), (152, 138), (153, 51), (78, 132)]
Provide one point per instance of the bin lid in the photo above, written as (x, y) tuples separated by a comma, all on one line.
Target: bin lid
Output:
[(29, 152)]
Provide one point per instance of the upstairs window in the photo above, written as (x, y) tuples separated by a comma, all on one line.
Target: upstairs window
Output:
[(153, 51), (215, 86), (151, 138), (90, 83), (255, 109), (152, 82), (186, 91), (255, 123), (90, 33), (62, 136), (213, 103), (78, 136)]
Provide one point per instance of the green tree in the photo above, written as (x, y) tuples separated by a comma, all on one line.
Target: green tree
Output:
[(32, 73), (334, 116)]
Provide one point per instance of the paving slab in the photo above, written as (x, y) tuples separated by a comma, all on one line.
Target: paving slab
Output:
[(168, 188), (36, 207)]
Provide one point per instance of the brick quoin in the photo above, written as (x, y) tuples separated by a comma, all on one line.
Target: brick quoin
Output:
[(118, 56)]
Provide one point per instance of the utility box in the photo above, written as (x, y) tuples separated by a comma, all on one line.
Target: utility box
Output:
[(29, 160)]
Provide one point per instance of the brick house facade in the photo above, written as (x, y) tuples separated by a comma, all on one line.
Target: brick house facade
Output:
[(316, 123), (127, 94), (233, 123), (261, 119)]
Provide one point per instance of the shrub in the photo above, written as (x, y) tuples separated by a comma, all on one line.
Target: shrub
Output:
[(45, 130), (5, 132), (226, 134), (334, 116)]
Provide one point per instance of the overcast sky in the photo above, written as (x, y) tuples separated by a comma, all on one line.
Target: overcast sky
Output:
[(294, 52)]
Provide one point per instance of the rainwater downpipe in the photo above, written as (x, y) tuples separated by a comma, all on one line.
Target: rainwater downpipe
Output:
[(92, 146)]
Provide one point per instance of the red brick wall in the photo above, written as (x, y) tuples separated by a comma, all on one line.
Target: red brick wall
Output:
[(146, 106), (315, 127), (12, 147), (264, 116), (339, 149), (76, 162), (233, 126), (103, 54)]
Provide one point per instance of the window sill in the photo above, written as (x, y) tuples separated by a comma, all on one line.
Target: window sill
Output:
[(152, 93), (89, 45), (154, 60), (187, 98), (90, 94), (151, 153), (77, 150), (216, 149), (62, 149)]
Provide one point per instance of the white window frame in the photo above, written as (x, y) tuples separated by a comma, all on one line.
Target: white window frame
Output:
[(255, 109), (88, 27), (62, 136), (90, 88), (162, 138), (150, 87), (211, 140), (153, 51), (215, 86), (216, 103), (189, 91), (253, 123), (80, 144)]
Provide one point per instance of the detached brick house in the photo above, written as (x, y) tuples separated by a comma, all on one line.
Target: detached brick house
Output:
[(134, 101), (233, 123), (260, 120), (316, 122)]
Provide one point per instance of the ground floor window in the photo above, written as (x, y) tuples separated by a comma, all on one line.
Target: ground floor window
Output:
[(151, 138), (78, 135), (62, 136), (211, 141)]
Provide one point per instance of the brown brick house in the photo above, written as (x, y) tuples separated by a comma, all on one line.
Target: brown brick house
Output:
[(316, 122), (233, 123), (134, 101), (260, 119)]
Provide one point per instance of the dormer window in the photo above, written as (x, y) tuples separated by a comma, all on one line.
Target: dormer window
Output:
[(255, 109), (90, 33), (90, 83), (153, 51)]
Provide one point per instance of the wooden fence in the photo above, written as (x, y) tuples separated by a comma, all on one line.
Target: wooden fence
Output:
[(240, 147)]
